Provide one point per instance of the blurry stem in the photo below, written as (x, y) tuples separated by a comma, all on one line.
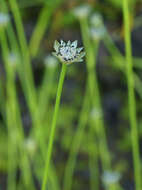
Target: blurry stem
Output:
[(45, 91), (2, 97), (53, 125), (93, 158), (138, 84), (9, 29), (12, 149), (25, 54), (95, 95), (117, 55), (39, 30), (13, 117), (120, 62), (70, 165), (53, 178), (43, 101), (42, 24), (108, 42), (41, 113), (27, 75), (16, 50), (131, 97)]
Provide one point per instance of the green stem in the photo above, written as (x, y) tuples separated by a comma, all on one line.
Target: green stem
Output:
[(70, 165), (131, 97), (45, 92), (93, 159), (43, 103), (28, 75), (95, 95), (119, 62), (53, 126), (39, 30), (13, 115)]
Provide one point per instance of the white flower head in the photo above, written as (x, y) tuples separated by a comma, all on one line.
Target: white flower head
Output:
[(4, 19), (96, 20), (97, 33), (110, 177), (68, 52), (30, 145), (96, 113), (97, 30), (82, 11), (13, 58)]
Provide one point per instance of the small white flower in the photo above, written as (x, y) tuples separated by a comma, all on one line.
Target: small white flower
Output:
[(96, 113), (68, 52), (30, 145), (4, 19), (13, 59), (82, 11), (50, 61), (97, 30), (96, 20), (98, 33), (110, 178)]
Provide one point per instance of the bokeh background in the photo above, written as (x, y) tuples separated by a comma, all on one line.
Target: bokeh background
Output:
[(28, 83)]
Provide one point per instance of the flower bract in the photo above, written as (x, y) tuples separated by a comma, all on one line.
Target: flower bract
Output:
[(68, 52)]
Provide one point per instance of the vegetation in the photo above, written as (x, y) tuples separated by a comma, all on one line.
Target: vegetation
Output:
[(70, 119)]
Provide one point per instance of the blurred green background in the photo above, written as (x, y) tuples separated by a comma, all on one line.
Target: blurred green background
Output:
[(92, 146)]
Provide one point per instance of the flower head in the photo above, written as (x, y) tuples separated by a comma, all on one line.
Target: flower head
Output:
[(82, 11), (68, 52), (98, 30), (96, 113), (96, 20), (4, 19), (30, 145), (110, 177), (98, 33)]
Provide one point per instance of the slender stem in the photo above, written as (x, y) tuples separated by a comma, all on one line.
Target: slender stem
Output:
[(45, 91), (70, 165), (131, 97), (41, 26), (119, 60), (53, 126), (29, 81), (39, 30), (95, 95), (13, 116), (43, 103), (93, 159)]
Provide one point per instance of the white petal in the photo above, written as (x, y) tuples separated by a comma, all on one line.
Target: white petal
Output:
[(56, 45), (62, 43), (74, 44), (55, 54), (79, 60), (82, 54), (69, 43), (79, 49)]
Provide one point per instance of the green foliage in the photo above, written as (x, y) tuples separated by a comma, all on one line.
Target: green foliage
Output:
[(93, 137)]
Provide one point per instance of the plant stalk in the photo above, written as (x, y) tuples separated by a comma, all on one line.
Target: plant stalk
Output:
[(53, 126), (131, 97)]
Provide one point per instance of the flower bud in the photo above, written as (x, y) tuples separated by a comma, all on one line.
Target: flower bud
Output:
[(51, 62), (4, 19), (110, 178), (68, 52), (82, 11), (96, 20)]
